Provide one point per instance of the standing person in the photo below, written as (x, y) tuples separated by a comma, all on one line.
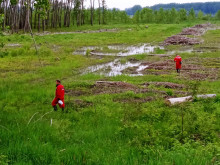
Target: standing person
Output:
[(178, 61), (59, 96)]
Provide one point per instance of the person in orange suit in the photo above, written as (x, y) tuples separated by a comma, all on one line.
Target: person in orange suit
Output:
[(178, 61), (59, 96)]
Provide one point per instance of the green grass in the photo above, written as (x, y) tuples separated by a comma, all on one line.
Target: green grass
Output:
[(106, 131)]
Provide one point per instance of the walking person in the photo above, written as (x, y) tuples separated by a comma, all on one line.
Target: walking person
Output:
[(59, 96), (178, 61)]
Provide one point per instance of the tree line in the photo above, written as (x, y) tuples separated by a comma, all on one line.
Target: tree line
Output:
[(45, 14), (52, 14), (207, 7), (48, 14), (147, 15)]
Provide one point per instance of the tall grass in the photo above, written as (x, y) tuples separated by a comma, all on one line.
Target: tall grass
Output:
[(106, 131)]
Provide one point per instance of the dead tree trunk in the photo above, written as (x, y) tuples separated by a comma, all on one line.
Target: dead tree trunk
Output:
[(27, 19), (99, 11)]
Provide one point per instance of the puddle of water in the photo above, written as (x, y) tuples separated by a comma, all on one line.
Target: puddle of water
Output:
[(115, 68), (122, 50)]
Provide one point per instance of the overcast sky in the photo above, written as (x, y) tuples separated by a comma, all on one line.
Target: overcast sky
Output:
[(122, 4)]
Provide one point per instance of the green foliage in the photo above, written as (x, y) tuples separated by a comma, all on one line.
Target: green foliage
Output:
[(159, 51), (43, 6), (88, 52), (120, 128), (169, 92), (3, 160), (147, 15), (136, 17), (1, 21), (44, 51), (183, 15), (193, 87), (13, 2), (218, 15), (192, 14), (200, 15)]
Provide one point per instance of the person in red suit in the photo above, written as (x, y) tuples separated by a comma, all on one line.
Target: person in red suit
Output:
[(59, 96), (178, 61)]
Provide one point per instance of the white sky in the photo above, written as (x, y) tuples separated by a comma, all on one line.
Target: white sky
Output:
[(122, 4)]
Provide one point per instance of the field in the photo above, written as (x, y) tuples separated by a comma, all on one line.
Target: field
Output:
[(127, 122)]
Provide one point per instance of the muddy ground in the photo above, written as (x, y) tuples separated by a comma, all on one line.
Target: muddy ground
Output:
[(189, 36), (114, 87), (192, 68)]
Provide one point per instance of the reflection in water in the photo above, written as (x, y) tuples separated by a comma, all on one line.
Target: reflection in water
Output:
[(125, 50), (122, 50), (116, 68)]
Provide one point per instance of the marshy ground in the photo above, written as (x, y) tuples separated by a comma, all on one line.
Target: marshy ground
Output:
[(116, 110)]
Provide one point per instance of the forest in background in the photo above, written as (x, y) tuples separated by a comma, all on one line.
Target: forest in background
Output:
[(125, 122), (52, 14), (207, 7)]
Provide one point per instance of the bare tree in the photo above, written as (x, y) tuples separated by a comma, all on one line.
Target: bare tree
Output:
[(103, 11), (92, 3), (99, 11)]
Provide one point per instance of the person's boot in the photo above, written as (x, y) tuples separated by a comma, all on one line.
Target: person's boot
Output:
[(55, 108), (62, 109)]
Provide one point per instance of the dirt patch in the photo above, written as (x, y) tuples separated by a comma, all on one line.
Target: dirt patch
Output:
[(161, 65), (212, 75), (192, 68), (165, 85), (132, 59), (103, 87), (192, 31), (181, 40), (170, 65), (196, 30), (115, 87)]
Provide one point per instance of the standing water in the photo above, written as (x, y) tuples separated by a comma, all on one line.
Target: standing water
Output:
[(119, 50), (115, 68)]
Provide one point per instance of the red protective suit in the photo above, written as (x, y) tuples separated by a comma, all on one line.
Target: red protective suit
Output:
[(178, 61), (59, 96)]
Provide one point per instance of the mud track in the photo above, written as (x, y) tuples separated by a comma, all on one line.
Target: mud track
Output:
[(116, 87), (197, 30)]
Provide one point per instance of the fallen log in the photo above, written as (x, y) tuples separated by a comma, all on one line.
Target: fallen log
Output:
[(173, 101)]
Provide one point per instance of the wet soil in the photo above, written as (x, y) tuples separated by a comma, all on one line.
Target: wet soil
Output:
[(197, 30), (115, 87)]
